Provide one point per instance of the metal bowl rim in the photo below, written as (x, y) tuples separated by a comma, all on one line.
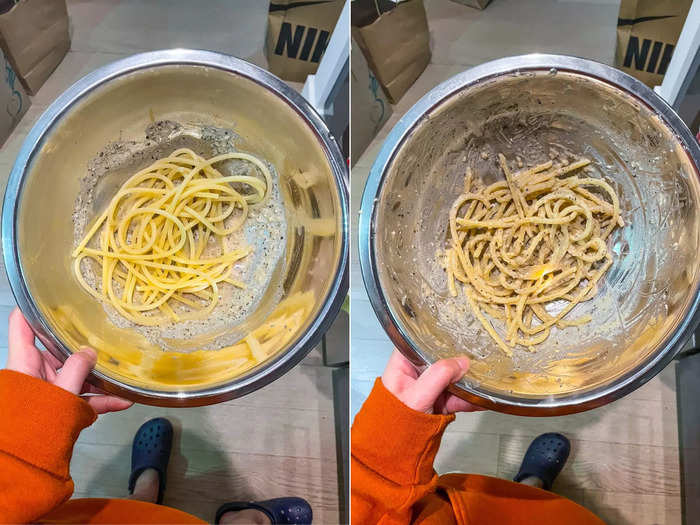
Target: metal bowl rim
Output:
[(273, 368), (514, 65)]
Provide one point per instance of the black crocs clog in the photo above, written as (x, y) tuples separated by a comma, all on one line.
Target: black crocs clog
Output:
[(151, 449), (544, 459), (279, 510)]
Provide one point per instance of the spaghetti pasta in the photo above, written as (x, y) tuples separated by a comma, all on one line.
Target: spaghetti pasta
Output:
[(200, 367), (153, 243), (518, 245)]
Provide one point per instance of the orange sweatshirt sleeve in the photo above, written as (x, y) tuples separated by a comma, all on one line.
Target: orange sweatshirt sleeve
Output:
[(393, 449), (39, 423)]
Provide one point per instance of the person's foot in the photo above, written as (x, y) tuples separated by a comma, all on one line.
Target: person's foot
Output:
[(146, 486), (544, 460), (249, 516), (295, 511), (150, 453)]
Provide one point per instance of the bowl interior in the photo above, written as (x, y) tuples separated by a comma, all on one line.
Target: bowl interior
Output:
[(654, 276), (195, 96)]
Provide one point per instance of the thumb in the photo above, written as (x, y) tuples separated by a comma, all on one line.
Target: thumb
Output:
[(424, 392), (75, 370)]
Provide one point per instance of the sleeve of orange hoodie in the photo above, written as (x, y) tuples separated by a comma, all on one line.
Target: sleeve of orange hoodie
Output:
[(39, 424), (393, 449)]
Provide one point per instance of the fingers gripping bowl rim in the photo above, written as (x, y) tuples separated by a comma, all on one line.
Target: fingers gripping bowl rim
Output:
[(591, 105), (225, 84)]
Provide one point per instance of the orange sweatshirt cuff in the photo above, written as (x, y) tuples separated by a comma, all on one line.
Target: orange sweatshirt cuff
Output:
[(396, 441), (40, 422)]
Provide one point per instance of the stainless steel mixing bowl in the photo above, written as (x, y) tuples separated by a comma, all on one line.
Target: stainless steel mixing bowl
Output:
[(526, 106), (117, 103)]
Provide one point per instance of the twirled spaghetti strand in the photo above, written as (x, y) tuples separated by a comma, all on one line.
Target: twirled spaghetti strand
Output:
[(518, 245), (153, 243)]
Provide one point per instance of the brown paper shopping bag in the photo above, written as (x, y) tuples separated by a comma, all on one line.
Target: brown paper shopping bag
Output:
[(14, 101), (369, 108), (396, 43), (34, 36), (647, 32), (297, 35)]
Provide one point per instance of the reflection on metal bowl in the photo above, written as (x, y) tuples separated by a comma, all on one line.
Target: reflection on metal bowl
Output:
[(117, 103), (523, 107)]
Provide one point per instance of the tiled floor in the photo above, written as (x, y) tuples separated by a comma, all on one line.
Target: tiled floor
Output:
[(277, 441), (624, 465)]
